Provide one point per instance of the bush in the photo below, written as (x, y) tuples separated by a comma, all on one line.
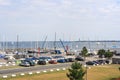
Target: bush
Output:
[(76, 72)]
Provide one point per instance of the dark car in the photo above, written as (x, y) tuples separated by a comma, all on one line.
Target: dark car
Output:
[(117, 54), (61, 61), (42, 62), (34, 59), (97, 62), (45, 58), (79, 58), (103, 61), (70, 60), (24, 63), (91, 54), (91, 63), (58, 57), (31, 62), (107, 61)]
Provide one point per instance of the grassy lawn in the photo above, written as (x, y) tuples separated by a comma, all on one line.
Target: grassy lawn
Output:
[(105, 72)]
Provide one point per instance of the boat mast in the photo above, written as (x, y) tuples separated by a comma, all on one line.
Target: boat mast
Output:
[(17, 42), (0, 43), (55, 42), (3, 43), (89, 44), (44, 42)]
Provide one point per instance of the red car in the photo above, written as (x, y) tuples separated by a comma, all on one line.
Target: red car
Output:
[(53, 62)]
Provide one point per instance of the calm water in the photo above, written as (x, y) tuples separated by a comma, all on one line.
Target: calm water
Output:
[(71, 44)]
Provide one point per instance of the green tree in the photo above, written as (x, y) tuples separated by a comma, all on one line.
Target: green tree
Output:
[(76, 72), (108, 54), (101, 53), (84, 52)]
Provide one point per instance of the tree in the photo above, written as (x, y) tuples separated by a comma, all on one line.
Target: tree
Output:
[(101, 53), (84, 52), (108, 54), (76, 72)]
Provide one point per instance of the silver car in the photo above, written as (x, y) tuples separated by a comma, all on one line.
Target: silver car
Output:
[(24, 63)]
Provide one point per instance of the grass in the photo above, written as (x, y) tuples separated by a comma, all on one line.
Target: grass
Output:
[(61, 75), (105, 72)]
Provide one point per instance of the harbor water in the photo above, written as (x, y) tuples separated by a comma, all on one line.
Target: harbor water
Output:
[(92, 45)]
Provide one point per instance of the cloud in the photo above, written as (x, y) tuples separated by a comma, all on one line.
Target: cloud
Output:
[(4, 2), (63, 8), (59, 16)]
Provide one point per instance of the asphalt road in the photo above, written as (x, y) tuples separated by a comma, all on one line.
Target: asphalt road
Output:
[(34, 68)]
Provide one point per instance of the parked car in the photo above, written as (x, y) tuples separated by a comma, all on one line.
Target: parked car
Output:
[(34, 59), (31, 62), (45, 58), (70, 59), (91, 63), (61, 60), (91, 54), (97, 62), (58, 57), (103, 61), (53, 62), (24, 63), (42, 62), (107, 61), (79, 58), (117, 54)]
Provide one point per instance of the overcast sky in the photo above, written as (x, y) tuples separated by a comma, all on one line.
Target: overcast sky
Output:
[(70, 19)]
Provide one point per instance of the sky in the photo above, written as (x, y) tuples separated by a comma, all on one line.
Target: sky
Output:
[(33, 20)]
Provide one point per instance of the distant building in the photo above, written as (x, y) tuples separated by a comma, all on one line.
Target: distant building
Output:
[(116, 60)]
